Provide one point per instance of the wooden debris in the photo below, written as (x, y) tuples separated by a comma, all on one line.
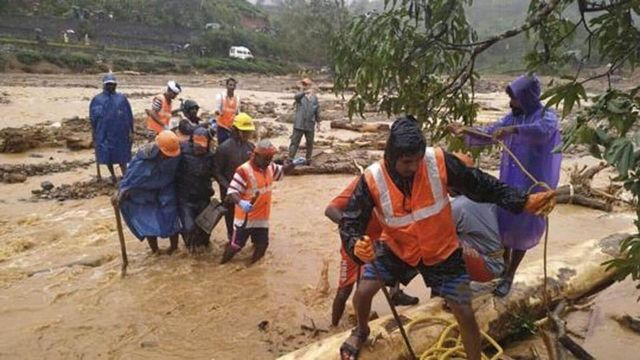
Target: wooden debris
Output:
[(359, 127)]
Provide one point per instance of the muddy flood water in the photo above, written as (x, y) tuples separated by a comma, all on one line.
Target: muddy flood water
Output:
[(61, 294)]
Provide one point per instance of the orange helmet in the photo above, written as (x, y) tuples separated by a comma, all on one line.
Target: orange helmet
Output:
[(466, 159), (168, 143)]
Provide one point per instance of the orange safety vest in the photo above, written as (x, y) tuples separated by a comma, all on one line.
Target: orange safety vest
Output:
[(229, 111), (164, 114), (419, 227), (258, 181)]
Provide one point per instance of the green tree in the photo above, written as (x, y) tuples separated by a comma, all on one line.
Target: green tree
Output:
[(420, 57)]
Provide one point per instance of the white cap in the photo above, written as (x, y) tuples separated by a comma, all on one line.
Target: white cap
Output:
[(174, 86)]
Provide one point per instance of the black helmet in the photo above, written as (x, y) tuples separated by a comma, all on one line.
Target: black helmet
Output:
[(190, 104)]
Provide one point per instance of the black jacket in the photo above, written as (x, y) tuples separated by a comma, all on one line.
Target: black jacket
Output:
[(474, 183), (194, 176)]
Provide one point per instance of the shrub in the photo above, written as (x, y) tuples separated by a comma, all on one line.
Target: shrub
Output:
[(28, 57)]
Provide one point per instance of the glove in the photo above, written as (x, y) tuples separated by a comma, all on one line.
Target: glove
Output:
[(364, 250), (541, 203), (166, 127), (246, 206), (299, 161)]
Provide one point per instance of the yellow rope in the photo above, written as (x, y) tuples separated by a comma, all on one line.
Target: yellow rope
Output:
[(449, 343)]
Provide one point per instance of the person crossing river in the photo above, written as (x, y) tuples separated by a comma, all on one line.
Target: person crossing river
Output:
[(408, 188)]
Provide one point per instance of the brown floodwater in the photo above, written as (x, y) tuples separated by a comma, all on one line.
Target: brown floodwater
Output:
[(177, 306)]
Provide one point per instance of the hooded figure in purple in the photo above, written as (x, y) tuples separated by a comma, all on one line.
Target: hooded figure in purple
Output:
[(531, 132)]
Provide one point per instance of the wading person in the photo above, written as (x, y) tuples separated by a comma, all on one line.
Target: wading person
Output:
[(194, 186), (112, 126), (408, 189), (233, 153), (306, 119), (227, 106), (147, 194), (250, 191), (159, 116), (531, 132), (349, 270)]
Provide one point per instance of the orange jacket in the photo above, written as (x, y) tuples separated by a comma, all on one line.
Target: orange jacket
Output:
[(419, 227), (228, 111), (255, 181), (164, 114)]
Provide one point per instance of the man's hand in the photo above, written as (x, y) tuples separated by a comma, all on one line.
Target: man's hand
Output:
[(503, 132), (541, 203), (456, 128), (117, 198), (245, 205), (364, 250)]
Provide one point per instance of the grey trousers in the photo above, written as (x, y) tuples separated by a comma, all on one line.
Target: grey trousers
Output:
[(295, 142)]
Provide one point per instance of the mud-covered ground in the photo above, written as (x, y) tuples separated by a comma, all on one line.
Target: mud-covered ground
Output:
[(61, 295)]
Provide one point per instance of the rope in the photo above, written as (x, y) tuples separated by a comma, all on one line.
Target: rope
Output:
[(448, 344), (536, 182)]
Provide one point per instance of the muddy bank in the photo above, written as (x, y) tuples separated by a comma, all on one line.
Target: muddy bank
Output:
[(11, 173), (78, 190)]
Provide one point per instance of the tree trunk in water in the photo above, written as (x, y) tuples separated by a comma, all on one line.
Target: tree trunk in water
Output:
[(572, 274)]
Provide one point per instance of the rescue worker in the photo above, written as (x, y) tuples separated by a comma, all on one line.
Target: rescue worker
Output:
[(250, 191), (190, 110), (187, 125), (227, 106), (159, 116), (112, 126), (147, 194), (229, 156), (349, 270), (408, 189), (306, 119), (531, 132), (194, 186)]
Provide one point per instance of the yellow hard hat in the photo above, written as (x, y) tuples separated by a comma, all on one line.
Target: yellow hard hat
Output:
[(168, 143), (244, 122)]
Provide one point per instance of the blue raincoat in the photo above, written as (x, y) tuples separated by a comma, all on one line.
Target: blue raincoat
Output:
[(533, 143), (150, 206), (112, 123)]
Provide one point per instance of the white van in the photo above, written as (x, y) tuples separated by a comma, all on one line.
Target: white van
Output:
[(240, 52)]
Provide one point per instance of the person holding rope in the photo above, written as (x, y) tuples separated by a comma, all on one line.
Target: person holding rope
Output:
[(530, 132), (408, 189)]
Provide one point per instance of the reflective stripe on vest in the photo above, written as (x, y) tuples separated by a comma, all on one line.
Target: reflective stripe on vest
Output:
[(440, 200), (254, 183)]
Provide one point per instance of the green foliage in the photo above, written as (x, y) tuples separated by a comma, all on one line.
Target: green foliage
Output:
[(28, 57), (214, 65), (401, 61), (419, 56)]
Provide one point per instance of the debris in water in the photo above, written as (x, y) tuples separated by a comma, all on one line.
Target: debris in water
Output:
[(263, 325)]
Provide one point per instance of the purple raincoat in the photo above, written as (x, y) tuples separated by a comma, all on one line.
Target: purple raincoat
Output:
[(533, 144)]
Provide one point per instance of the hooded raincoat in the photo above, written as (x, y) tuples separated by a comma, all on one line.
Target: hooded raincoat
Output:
[(533, 143), (150, 206), (112, 124)]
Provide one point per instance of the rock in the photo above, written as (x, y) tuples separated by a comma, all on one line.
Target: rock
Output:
[(285, 118), (79, 142), (12, 178), (46, 185)]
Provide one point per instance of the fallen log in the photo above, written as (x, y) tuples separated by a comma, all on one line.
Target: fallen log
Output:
[(576, 197), (359, 127), (572, 274)]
